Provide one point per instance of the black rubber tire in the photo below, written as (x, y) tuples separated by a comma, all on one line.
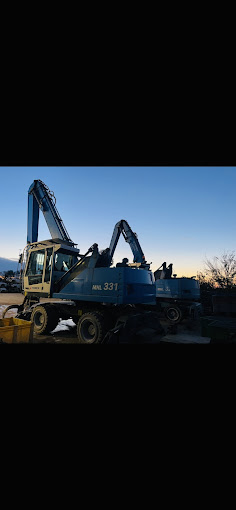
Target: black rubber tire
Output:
[(45, 319), (173, 314), (91, 328)]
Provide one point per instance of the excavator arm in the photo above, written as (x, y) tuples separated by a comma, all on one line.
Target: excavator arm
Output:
[(40, 197), (122, 227)]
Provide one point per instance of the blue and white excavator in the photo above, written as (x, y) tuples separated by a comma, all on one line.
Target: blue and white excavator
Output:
[(86, 287)]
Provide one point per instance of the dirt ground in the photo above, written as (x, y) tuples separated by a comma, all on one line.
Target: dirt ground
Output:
[(189, 331), (16, 298)]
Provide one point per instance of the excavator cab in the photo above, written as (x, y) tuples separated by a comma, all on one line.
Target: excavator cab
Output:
[(38, 271), (46, 264)]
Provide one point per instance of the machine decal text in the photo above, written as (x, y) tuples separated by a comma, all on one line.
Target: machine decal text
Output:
[(110, 286), (107, 286)]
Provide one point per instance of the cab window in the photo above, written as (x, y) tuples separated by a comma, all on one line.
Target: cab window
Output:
[(63, 261), (48, 265), (35, 267)]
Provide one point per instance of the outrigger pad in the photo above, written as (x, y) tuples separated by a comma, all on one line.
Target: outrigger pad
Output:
[(140, 328)]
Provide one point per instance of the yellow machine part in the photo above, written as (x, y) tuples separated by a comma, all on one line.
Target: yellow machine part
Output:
[(15, 330)]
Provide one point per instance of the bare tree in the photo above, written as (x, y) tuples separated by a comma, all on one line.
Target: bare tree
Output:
[(204, 281), (221, 272)]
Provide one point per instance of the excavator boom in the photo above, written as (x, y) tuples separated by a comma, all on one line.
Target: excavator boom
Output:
[(40, 197), (122, 227)]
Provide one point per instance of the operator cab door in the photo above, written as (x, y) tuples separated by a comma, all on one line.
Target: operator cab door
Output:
[(38, 273), (47, 275)]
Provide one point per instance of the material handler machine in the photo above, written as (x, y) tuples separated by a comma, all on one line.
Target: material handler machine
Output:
[(178, 298), (90, 291)]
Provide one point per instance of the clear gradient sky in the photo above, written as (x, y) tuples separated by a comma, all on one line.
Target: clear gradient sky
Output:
[(181, 215)]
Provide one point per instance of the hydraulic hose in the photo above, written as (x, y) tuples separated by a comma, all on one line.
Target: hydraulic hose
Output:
[(9, 308)]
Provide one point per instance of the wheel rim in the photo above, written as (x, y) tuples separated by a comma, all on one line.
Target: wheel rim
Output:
[(88, 331), (38, 319), (173, 314)]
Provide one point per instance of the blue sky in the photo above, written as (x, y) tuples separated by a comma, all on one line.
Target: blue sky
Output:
[(181, 215)]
